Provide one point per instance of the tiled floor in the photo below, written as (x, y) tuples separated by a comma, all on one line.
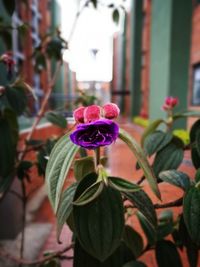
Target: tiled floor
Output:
[(122, 164)]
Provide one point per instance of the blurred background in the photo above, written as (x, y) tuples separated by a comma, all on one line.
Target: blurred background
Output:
[(134, 53)]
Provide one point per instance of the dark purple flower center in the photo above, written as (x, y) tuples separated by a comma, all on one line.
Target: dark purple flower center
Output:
[(92, 135)]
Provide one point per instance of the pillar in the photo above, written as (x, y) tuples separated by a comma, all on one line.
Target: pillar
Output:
[(170, 53)]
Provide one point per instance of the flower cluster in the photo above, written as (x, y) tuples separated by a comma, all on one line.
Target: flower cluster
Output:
[(95, 126), (170, 103), (94, 112)]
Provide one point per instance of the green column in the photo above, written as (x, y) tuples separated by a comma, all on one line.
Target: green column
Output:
[(122, 76), (135, 53), (170, 50)]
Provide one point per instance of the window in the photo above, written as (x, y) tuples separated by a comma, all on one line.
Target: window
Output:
[(196, 85)]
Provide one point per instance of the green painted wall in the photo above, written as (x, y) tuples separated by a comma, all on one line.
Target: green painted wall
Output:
[(122, 60), (170, 49), (135, 54)]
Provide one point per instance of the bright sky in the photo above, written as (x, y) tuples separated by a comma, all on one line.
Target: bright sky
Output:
[(94, 30)]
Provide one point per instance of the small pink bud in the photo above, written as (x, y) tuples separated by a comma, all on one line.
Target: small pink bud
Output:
[(92, 113), (111, 111), (79, 114), (170, 102)]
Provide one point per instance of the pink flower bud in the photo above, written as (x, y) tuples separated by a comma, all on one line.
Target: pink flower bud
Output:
[(92, 113), (111, 111), (171, 102), (79, 114)]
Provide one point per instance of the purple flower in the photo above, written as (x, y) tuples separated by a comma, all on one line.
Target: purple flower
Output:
[(95, 134)]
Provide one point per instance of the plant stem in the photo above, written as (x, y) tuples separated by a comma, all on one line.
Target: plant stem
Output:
[(42, 108), (175, 203), (97, 157)]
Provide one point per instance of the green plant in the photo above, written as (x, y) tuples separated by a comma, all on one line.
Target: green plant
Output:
[(97, 202)]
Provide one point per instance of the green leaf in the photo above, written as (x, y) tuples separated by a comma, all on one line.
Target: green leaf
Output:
[(191, 213), (139, 154), (144, 204), (156, 141), (56, 119), (197, 176), (65, 207), (123, 185), (194, 131), (135, 264), (150, 129), (90, 194), (170, 157), (133, 240), (7, 145), (17, 99), (7, 38), (195, 141), (177, 178), (116, 16), (167, 254), (191, 248), (9, 6), (165, 226), (83, 166), (54, 48), (11, 118), (58, 166), (195, 158), (184, 114), (99, 224), (81, 258), (149, 231)]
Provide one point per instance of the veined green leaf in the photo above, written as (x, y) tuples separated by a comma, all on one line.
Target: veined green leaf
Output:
[(151, 128), (58, 167), (56, 119), (191, 213), (191, 113), (170, 157), (167, 254), (99, 224), (144, 164), (83, 166), (144, 204), (65, 207), (89, 194), (156, 141), (177, 178), (133, 240), (149, 231), (123, 185)]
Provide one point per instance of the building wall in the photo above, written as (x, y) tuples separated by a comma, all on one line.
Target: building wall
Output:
[(146, 53)]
